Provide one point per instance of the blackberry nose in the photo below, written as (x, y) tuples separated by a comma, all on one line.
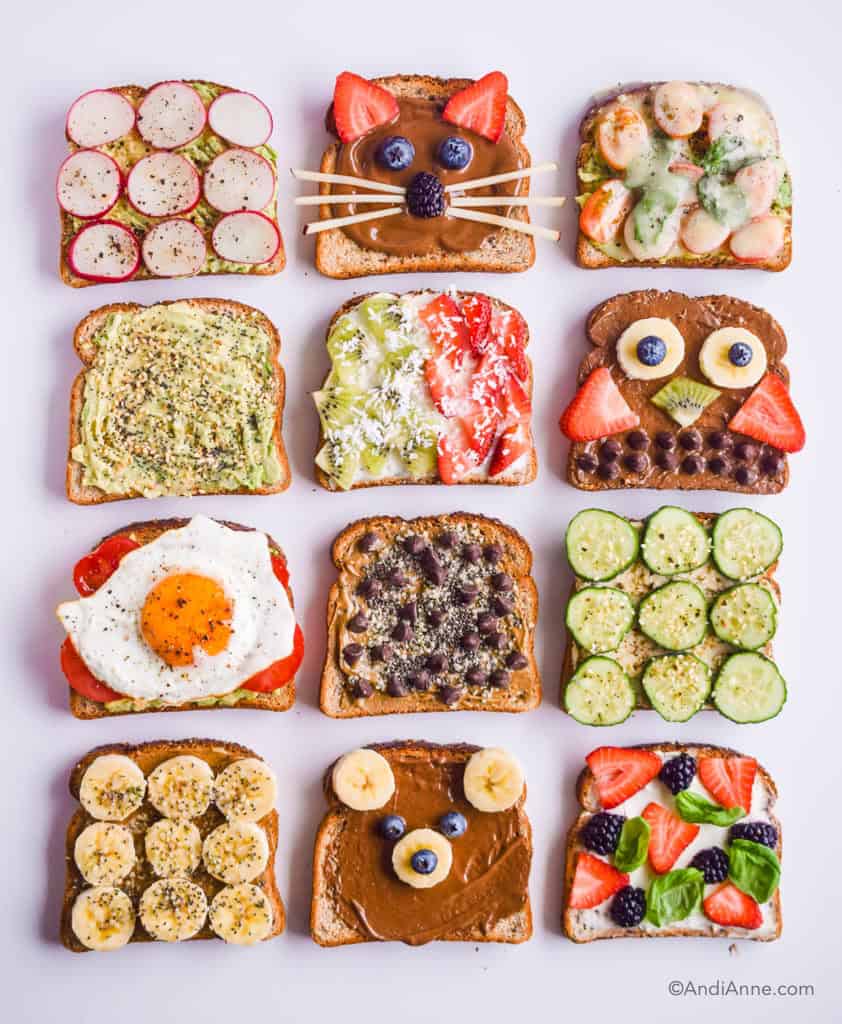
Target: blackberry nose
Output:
[(425, 195)]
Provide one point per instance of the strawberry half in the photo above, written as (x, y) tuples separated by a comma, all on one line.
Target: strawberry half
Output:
[(594, 881), (769, 415), (480, 107), (729, 780), (476, 310), (620, 772), (731, 907), (455, 458), (670, 836), (360, 105), (597, 410), (513, 442)]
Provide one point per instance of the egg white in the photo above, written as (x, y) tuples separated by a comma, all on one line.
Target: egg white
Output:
[(105, 627)]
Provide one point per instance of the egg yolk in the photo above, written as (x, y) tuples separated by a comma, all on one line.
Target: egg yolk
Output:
[(185, 611)]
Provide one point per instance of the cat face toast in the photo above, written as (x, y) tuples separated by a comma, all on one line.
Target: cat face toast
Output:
[(419, 844), (682, 393)]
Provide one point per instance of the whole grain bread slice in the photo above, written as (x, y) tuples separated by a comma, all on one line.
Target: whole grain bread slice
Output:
[(281, 699), (83, 341), (219, 754), (503, 251)]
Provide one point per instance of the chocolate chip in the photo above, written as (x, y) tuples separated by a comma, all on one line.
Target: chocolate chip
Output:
[(467, 593), (690, 440), (396, 687), (772, 463), (358, 623), (502, 582), (446, 540), (396, 579), (435, 616), (368, 542), (745, 476), (609, 451), (495, 641), (450, 694), (432, 568), (419, 680), (382, 652), (666, 461), (413, 544), (745, 451), (352, 653), (486, 622), (586, 463), (493, 553), (517, 661), (499, 679), (472, 553), (437, 663), (692, 465), (470, 641), (409, 612), (720, 441), (369, 588), (636, 462), (502, 605), (665, 440), (363, 689), (719, 465), (608, 471), (475, 676), (402, 632), (638, 440)]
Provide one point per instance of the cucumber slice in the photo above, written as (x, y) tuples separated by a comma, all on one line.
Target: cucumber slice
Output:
[(600, 545), (674, 616), (674, 541), (745, 616), (749, 688), (599, 693), (599, 617), (677, 685), (745, 543)]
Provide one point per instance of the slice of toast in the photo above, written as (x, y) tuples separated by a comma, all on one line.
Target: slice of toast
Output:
[(523, 471), (281, 699), (408, 681), (485, 897), (593, 257), (595, 923), (84, 341), (503, 251), (218, 754), (130, 149), (696, 319)]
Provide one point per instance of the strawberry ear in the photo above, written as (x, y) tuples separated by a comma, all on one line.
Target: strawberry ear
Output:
[(360, 105), (481, 106)]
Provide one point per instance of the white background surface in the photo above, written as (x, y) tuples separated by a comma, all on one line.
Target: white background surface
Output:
[(289, 56)]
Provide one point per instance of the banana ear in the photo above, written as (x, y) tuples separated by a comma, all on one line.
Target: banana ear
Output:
[(363, 780), (360, 106)]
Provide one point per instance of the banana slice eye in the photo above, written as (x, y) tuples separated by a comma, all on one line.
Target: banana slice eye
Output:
[(650, 348), (112, 787), (493, 780), (363, 780), (733, 357), (180, 788), (423, 858), (104, 853)]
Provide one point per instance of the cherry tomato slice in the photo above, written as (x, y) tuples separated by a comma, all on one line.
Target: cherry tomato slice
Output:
[(605, 210), (94, 569), (280, 673), (279, 567), (80, 677)]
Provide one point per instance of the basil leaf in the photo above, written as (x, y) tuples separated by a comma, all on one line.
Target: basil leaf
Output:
[(695, 808), (674, 896), (754, 868), (633, 845)]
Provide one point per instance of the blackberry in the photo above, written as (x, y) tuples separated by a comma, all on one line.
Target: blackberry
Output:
[(756, 832), (677, 773), (712, 863), (628, 907), (425, 196), (602, 832)]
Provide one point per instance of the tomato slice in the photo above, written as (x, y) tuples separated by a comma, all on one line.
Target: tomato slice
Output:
[(605, 210), (94, 569), (80, 677), (280, 673), (279, 567)]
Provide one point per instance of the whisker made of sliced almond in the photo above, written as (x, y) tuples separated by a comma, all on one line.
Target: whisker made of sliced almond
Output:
[(468, 201), (504, 222), (347, 179), (498, 179), (356, 218)]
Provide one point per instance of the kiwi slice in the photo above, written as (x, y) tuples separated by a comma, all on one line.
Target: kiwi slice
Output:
[(353, 355), (684, 399), (338, 407), (381, 315), (339, 461)]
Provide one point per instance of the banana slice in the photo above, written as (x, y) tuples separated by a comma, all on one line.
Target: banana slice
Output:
[(246, 790), (173, 909), (733, 357), (363, 780), (237, 851), (493, 780), (112, 788), (181, 787), (650, 348), (423, 858), (104, 853), (102, 918), (241, 914), (173, 848)]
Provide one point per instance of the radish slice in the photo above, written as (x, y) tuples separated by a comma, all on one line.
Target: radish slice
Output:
[(163, 184), (677, 109), (658, 249), (239, 180), (89, 183), (174, 248), (758, 182), (248, 237), (701, 233), (104, 251), (170, 115), (98, 117), (744, 118), (759, 240), (240, 118)]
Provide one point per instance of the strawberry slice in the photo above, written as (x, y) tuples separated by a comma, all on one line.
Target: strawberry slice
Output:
[(455, 458), (439, 373), (481, 427), (513, 442), (480, 107), (597, 410), (360, 105), (509, 330), (514, 401), (594, 881), (476, 310), (768, 414), (447, 327), (731, 907), (729, 780), (620, 772), (670, 836)]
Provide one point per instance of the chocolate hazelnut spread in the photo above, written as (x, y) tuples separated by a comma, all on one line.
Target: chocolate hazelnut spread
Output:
[(488, 880), (420, 121)]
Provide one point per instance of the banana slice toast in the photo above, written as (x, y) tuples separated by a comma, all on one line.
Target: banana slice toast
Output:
[(673, 839), (174, 840), (423, 842)]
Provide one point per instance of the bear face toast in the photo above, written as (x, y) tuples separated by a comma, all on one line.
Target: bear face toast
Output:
[(421, 843), (427, 174), (682, 393)]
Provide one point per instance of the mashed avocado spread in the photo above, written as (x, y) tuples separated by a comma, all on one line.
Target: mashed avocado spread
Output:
[(179, 400)]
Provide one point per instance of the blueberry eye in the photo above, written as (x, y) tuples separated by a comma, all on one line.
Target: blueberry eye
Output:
[(740, 353), (455, 153), (651, 350), (392, 826), (395, 153), (424, 862), (453, 824)]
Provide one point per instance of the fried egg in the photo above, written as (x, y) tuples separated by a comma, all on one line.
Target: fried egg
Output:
[(193, 614)]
